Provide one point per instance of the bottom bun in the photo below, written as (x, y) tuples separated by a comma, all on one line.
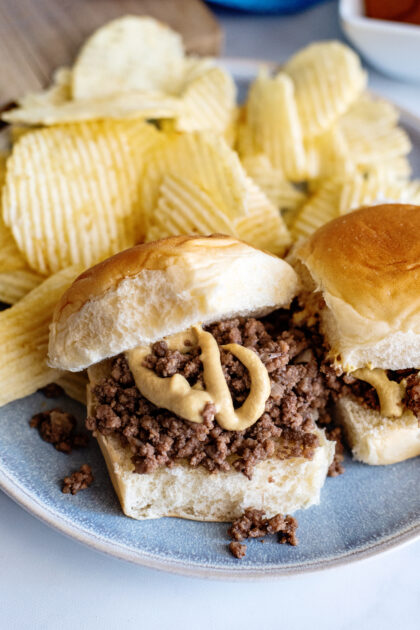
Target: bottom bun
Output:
[(277, 486), (376, 439)]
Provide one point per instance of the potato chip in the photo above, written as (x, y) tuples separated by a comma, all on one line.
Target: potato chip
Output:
[(321, 207), (129, 54), (72, 193), (56, 94), (262, 226), (184, 208), (194, 67), (17, 131), (244, 141), (14, 285), (371, 134), (328, 78), (10, 256), (24, 331), (363, 191), (274, 126), (396, 169), (231, 132), (282, 193), (371, 143), (208, 102), (328, 155), (206, 160), (368, 109), (363, 139), (75, 385), (133, 105)]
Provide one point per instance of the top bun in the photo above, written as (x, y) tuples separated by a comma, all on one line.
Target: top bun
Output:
[(157, 289), (367, 266)]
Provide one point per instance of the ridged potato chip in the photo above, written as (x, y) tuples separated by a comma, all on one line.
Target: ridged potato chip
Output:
[(370, 131), (118, 106), (72, 193), (207, 161), (396, 169), (57, 93), (262, 226), (282, 193), (14, 285), (364, 191), (328, 78), (321, 207), (10, 256), (231, 132), (184, 208), (129, 54), (24, 330), (328, 155), (274, 125), (208, 102), (371, 110), (75, 385)]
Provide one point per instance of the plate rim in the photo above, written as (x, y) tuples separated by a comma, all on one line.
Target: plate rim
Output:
[(245, 69)]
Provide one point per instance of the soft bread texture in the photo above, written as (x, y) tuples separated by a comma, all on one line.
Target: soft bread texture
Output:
[(366, 264), (375, 439), (196, 494), (160, 288)]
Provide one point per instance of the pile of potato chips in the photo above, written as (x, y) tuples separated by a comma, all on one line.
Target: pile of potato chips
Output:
[(138, 141)]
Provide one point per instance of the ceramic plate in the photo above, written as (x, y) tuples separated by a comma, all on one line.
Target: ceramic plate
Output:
[(366, 511)]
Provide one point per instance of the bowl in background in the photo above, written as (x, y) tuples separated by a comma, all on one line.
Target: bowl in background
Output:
[(391, 47), (267, 6)]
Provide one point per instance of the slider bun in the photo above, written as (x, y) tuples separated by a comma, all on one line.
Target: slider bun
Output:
[(366, 264), (376, 439), (276, 486), (153, 290)]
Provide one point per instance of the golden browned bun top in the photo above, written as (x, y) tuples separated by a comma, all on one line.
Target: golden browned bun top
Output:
[(367, 265), (160, 288)]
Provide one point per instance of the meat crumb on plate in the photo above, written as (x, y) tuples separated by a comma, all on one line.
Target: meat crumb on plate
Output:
[(79, 480), (57, 427), (253, 524)]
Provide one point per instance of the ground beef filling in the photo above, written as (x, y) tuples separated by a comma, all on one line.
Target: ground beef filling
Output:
[(158, 437), (412, 393)]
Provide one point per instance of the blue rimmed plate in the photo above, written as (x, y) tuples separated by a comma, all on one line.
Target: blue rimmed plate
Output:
[(366, 511)]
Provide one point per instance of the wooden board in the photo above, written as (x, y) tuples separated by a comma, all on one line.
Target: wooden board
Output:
[(37, 36)]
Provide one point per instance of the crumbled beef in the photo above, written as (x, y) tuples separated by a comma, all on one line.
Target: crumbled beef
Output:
[(79, 480), (237, 549), (53, 390), (253, 524), (336, 467), (412, 394), (158, 437), (59, 429), (165, 362)]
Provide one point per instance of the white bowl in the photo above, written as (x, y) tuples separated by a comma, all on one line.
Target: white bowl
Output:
[(392, 47)]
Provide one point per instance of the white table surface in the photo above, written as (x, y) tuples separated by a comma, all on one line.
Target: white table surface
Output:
[(48, 581)]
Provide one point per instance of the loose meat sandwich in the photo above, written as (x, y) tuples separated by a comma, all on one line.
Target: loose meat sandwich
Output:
[(203, 396), (361, 273)]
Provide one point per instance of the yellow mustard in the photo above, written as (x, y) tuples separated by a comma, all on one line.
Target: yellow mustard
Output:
[(175, 393), (390, 393)]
